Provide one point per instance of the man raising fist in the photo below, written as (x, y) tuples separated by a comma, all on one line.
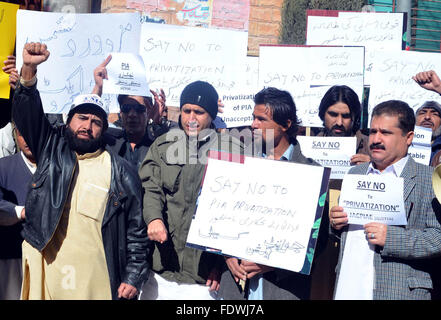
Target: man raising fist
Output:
[(84, 233)]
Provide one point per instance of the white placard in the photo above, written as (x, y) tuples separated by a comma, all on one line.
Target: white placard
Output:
[(309, 73), (374, 31), (178, 55), (393, 78), (265, 218), (422, 136), (420, 153), (126, 75), (78, 43), (239, 103), (331, 152), (373, 198)]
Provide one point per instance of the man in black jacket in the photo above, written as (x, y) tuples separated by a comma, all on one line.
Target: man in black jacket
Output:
[(142, 120), (85, 237)]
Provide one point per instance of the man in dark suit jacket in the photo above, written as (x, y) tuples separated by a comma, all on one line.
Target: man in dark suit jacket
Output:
[(401, 260), (15, 174), (275, 117)]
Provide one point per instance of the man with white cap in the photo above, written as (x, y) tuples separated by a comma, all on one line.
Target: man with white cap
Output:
[(85, 237)]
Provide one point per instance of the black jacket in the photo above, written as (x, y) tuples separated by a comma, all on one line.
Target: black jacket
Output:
[(123, 228), (116, 140)]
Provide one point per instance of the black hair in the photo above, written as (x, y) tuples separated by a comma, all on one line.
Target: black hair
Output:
[(406, 116), (148, 100), (282, 107), (346, 95)]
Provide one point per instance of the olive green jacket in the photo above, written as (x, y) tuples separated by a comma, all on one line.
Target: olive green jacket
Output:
[(172, 177)]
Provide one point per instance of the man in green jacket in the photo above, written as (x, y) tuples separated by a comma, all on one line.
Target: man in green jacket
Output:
[(172, 175)]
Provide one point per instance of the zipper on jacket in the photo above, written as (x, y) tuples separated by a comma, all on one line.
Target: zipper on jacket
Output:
[(64, 203)]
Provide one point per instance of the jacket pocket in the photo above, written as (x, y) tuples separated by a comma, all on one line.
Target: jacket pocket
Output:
[(92, 200), (170, 178), (423, 283)]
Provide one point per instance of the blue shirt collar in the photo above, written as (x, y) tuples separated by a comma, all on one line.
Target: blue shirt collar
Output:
[(286, 155)]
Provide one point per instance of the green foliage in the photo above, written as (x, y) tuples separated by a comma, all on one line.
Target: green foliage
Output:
[(293, 25)]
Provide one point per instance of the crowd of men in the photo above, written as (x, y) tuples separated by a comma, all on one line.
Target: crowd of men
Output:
[(92, 211)]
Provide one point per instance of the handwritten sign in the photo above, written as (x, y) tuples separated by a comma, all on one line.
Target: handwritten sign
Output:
[(267, 217), (393, 78), (78, 43), (126, 75), (373, 198), (374, 31), (178, 55), (7, 42), (309, 74), (332, 152)]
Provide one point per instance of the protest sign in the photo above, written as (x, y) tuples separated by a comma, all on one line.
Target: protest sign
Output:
[(257, 210), (239, 103), (422, 136), (8, 12), (308, 72), (420, 149), (373, 198), (126, 75), (332, 152), (374, 31), (393, 77), (78, 43), (420, 154), (178, 55)]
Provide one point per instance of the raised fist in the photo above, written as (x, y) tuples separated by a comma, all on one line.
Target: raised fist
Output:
[(34, 53), (428, 80)]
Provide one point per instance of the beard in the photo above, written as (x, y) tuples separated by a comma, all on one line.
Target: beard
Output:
[(344, 132), (82, 146)]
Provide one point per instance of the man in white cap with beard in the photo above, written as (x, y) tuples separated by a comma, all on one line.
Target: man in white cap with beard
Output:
[(84, 233)]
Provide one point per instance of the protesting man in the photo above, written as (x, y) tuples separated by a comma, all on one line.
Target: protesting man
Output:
[(429, 116), (84, 233), (172, 174), (15, 174), (275, 125), (340, 111), (379, 261), (142, 121)]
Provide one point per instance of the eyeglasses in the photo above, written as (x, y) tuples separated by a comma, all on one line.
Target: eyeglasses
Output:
[(139, 108)]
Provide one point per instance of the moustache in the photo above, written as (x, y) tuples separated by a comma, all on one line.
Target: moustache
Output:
[(377, 146), (427, 122), (338, 127), (83, 132)]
